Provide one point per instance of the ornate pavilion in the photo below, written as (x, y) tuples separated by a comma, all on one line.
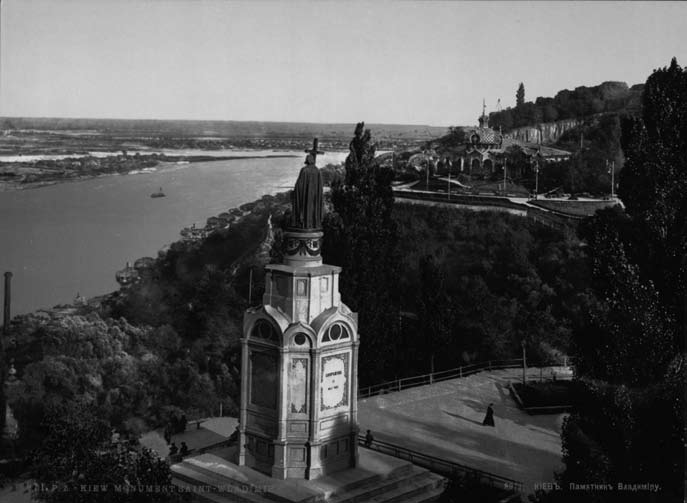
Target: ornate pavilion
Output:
[(485, 150)]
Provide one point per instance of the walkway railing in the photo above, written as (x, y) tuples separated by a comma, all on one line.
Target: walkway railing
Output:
[(550, 217), (458, 199), (443, 375), (442, 466)]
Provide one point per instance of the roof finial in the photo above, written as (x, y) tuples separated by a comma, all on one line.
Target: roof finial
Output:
[(483, 119)]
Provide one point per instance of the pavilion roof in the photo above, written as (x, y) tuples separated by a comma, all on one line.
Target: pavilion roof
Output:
[(486, 135)]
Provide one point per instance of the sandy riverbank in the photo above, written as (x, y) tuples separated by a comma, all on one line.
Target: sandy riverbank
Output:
[(20, 184)]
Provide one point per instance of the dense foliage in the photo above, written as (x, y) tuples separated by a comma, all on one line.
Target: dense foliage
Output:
[(629, 422), (475, 285), (483, 282), (131, 374), (597, 150), (331, 174), (581, 102), (80, 461), (361, 237)]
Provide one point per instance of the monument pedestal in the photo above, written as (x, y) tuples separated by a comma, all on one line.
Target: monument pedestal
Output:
[(302, 247), (299, 410), (378, 478)]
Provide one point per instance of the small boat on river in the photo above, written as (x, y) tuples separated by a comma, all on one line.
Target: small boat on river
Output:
[(159, 193)]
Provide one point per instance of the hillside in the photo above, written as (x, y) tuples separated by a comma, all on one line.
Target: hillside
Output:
[(585, 122), (544, 132), (171, 340), (608, 97)]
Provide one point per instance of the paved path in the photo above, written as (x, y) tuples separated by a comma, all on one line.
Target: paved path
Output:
[(20, 493), (212, 431), (445, 420)]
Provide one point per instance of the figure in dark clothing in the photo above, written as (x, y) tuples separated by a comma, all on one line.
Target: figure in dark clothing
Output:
[(168, 434), (368, 438), (173, 449), (182, 423), (174, 424), (184, 449), (489, 418)]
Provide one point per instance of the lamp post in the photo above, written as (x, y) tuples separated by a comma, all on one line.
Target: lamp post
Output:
[(505, 168), (428, 163), (536, 179), (427, 176), (612, 179), (250, 285), (524, 362), (448, 165)]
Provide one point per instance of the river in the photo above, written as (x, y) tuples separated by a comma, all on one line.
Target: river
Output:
[(70, 238)]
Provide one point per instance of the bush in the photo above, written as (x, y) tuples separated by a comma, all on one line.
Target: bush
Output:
[(545, 394)]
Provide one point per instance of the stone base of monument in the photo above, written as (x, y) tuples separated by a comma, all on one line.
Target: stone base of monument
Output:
[(378, 477)]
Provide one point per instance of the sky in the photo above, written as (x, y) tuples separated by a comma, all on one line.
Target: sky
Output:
[(382, 62)]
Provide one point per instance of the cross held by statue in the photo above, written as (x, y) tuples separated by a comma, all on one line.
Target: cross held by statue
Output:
[(314, 151)]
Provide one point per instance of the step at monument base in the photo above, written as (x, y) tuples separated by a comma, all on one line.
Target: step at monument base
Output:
[(378, 478)]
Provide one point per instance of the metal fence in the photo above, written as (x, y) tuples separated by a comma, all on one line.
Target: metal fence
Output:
[(442, 466), (442, 375)]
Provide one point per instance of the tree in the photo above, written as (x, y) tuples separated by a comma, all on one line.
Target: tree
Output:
[(530, 114), (361, 236), (630, 336), (455, 136), (628, 425), (550, 113), (434, 307), (653, 186), (520, 95), (80, 461), (502, 120)]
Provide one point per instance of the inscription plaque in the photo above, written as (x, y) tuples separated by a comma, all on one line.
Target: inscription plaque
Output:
[(334, 381)]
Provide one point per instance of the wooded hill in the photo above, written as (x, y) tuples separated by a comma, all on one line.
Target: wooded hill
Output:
[(582, 102)]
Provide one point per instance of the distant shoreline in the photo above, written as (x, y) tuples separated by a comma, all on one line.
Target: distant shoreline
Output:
[(10, 185)]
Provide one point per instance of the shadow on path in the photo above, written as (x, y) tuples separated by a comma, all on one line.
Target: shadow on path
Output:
[(462, 417)]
